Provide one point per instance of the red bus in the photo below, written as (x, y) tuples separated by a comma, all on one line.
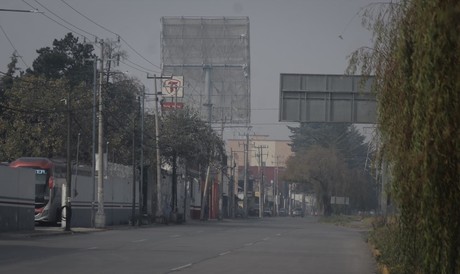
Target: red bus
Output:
[(47, 192)]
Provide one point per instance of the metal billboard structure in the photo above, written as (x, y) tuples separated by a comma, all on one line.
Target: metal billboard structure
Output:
[(212, 55), (327, 98)]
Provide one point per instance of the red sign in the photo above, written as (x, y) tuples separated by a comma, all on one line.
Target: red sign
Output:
[(172, 105), (173, 87)]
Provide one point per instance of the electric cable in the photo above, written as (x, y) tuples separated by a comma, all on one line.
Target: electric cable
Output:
[(12, 45), (112, 32), (64, 19), (71, 30)]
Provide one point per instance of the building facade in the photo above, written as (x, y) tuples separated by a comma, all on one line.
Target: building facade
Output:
[(266, 164)]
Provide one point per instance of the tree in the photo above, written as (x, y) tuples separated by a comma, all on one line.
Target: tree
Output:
[(184, 136), (60, 73), (342, 136), (324, 169), (415, 61), (349, 143), (67, 58), (37, 120), (121, 116)]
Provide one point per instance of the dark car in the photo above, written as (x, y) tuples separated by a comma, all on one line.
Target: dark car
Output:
[(254, 211), (297, 212), (282, 212), (267, 212)]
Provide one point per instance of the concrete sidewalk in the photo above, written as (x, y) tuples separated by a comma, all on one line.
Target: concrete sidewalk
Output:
[(44, 231), (41, 231)]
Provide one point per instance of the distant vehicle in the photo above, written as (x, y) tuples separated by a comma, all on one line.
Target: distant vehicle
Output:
[(254, 211), (297, 212), (267, 212), (282, 212), (47, 193)]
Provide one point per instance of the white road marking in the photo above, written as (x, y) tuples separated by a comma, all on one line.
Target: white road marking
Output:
[(266, 239), (93, 247), (279, 234), (248, 244), (181, 267), (224, 253), (174, 236), (139, 241)]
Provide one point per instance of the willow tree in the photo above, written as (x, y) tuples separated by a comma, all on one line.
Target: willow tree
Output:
[(415, 60)]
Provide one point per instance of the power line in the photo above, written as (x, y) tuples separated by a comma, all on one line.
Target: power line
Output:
[(64, 19), (126, 42), (144, 70), (11, 43), (87, 18), (114, 33), (138, 68), (71, 30)]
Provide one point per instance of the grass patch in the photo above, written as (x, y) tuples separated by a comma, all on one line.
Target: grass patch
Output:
[(384, 239), (348, 221)]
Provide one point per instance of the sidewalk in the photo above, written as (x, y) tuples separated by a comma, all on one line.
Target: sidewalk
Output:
[(41, 231), (45, 231)]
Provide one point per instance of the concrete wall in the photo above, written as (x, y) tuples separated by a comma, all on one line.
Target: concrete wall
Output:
[(118, 195), (17, 199)]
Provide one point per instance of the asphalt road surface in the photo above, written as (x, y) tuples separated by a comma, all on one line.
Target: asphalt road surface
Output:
[(271, 245)]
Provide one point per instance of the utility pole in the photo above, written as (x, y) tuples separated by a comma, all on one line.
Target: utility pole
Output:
[(100, 215), (231, 187), (261, 181), (68, 205), (142, 135), (246, 171), (93, 147), (276, 185), (133, 205), (221, 183), (157, 144)]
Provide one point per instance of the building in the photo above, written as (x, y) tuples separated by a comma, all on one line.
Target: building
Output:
[(266, 161)]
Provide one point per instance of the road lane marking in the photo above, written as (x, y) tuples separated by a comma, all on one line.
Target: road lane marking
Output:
[(279, 234), (139, 241), (181, 267), (248, 244), (266, 239), (224, 253), (92, 248), (174, 236)]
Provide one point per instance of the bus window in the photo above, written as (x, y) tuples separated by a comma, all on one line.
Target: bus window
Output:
[(42, 190)]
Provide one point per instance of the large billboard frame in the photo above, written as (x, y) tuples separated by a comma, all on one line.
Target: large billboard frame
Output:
[(212, 54), (327, 98)]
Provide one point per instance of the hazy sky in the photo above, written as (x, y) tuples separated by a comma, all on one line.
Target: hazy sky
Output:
[(286, 36)]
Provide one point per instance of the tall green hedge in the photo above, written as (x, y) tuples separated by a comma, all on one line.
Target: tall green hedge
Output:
[(419, 117)]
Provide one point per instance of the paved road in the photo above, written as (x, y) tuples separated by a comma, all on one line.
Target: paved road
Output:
[(271, 245)]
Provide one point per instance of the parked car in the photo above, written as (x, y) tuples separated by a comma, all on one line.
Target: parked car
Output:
[(267, 212), (254, 212), (297, 212), (282, 212)]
